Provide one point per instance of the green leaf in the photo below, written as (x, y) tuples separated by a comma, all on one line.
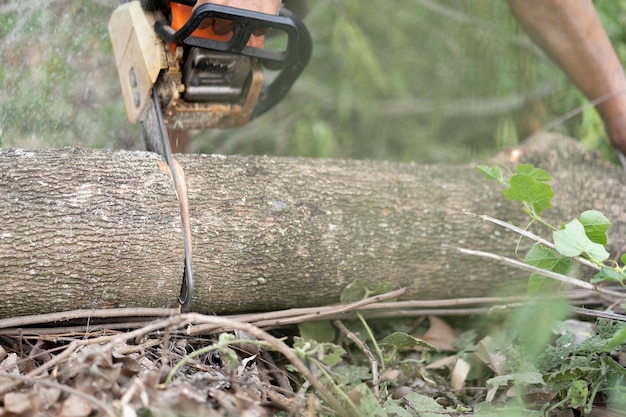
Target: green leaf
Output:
[(573, 241), (596, 224), (537, 173), (394, 408), (403, 341), (545, 258), (527, 189), (618, 338), (609, 275), (527, 378), (303, 347), (578, 394), (358, 290), (382, 288), (321, 331), (538, 284), (226, 338), (613, 367), (366, 401), (416, 404), (352, 375), (489, 410), (491, 173), (328, 353), (229, 356), (355, 291)]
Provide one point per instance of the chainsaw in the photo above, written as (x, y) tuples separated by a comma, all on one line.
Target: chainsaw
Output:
[(177, 75), (202, 79)]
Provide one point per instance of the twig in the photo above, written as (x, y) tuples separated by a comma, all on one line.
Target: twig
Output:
[(527, 234), (277, 373), (559, 120), (264, 320), (112, 339), (366, 350), (84, 314), (452, 302), (542, 272), (280, 318), (78, 330), (595, 313), (347, 307)]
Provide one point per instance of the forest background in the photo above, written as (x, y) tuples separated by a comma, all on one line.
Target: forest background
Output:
[(409, 80)]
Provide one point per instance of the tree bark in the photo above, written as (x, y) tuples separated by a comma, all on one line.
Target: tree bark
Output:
[(85, 228)]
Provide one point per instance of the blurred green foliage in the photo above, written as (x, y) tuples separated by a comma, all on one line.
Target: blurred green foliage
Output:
[(409, 80), (59, 85)]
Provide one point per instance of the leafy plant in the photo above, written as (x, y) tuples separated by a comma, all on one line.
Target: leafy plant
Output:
[(360, 387), (584, 236), (576, 369), (582, 369)]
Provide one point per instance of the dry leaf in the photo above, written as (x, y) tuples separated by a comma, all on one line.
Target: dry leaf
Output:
[(491, 394), (44, 398), (495, 361), (390, 374), (18, 403), (441, 363), (9, 366), (459, 374), (440, 334), (75, 406)]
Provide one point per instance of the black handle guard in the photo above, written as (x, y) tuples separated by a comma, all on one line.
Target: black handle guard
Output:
[(291, 61)]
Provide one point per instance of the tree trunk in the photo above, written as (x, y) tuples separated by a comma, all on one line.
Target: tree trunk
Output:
[(85, 228)]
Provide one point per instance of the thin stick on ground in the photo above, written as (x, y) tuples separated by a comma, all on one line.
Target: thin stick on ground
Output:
[(22, 321), (280, 318), (184, 320), (548, 274), (314, 314), (530, 235), (366, 350)]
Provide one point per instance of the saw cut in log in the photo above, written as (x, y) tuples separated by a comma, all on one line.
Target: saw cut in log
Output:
[(83, 228)]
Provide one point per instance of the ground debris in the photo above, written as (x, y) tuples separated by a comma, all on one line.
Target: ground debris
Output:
[(128, 380), (192, 364)]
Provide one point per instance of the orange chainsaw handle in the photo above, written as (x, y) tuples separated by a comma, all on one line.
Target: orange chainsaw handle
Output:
[(181, 14)]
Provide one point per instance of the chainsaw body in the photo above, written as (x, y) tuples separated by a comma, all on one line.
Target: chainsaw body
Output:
[(202, 79)]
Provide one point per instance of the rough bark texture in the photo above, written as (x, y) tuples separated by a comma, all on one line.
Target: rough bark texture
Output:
[(87, 228)]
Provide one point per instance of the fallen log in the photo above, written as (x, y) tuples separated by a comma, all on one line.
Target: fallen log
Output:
[(83, 228)]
